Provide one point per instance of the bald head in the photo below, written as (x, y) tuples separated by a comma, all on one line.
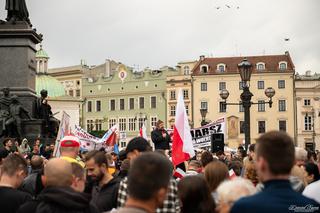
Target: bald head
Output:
[(58, 172), (36, 162)]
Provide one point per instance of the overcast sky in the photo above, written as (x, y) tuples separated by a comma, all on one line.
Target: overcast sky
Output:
[(155, 33)]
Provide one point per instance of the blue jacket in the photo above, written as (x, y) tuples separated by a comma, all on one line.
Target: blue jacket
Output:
[(277, 196)]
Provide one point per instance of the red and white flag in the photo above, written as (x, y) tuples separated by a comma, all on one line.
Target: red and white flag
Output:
[(143, 132), (182, 147), (232, 174), (179, 173)]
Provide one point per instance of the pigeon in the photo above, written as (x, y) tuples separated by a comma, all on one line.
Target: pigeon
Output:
[(217, 8), (286, 39), (228, 6)]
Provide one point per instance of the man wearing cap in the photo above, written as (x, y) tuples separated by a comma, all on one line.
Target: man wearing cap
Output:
[(69, 149)]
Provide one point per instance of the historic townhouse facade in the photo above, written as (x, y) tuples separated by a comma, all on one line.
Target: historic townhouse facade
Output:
[(307, 89), (121, 95), (180, 80), (211, 75)]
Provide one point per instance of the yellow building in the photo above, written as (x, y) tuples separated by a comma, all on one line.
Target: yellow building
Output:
[(307, 88), (180, 80), (211, 75)]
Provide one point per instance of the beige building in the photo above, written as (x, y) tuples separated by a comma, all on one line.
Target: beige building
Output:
[(307, 89), (180, 80), (211, 75)]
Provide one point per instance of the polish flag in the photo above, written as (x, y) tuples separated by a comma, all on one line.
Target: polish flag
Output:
[(179, 173), (232, 174), (143, 132), (182, 147), (110, 137)]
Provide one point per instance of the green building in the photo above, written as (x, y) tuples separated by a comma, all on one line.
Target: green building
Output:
[(116, 94)]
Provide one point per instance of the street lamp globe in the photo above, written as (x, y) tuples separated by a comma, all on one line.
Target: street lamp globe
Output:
[(224, 94), (203, 113), (269, 92), (245, 70)]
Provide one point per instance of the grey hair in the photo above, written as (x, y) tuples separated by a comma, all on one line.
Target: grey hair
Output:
[(301, 154), (232, 190)]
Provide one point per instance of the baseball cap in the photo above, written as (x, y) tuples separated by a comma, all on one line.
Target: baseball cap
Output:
[(70, 141)]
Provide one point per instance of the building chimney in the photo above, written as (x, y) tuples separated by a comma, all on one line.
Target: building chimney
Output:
[(286, 52), (107, 68), (202, 57)]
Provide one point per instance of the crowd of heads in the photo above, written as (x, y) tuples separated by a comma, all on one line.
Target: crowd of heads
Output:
[(139, 176)]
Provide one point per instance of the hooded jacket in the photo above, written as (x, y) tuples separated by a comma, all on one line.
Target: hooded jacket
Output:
[(59, 200)]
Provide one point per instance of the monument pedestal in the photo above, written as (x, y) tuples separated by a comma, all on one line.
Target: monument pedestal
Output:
[(17, 61)]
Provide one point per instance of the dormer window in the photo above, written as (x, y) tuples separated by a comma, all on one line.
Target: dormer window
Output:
[(221, 67), (204, 68), (261, 66), (186, 70), (283, 65)]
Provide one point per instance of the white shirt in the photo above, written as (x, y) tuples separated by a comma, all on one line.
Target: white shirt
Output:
[(313, 191)]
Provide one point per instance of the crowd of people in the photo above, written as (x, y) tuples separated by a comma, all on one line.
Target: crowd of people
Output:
[(271, 176)]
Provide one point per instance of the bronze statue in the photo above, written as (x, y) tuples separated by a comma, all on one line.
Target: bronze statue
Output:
[(17, 11), (43, 111), (17, 113)]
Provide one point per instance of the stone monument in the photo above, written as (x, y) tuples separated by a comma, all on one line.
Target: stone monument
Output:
[(17, 73)]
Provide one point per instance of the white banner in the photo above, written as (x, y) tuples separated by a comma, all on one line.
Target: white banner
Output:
[(64, 129)]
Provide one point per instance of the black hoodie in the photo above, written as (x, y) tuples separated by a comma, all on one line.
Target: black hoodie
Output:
[(59, 200)]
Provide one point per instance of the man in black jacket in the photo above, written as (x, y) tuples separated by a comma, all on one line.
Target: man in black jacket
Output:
[(58, 196), (105, 188), (160, 137)]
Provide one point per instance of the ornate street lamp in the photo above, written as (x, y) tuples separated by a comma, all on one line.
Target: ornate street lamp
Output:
[(203, 113), (245, 70)]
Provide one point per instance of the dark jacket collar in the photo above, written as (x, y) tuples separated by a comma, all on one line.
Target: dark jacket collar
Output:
[(271, 184)]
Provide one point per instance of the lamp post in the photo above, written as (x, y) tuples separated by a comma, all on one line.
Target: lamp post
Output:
[(245, 70), (203, 113)]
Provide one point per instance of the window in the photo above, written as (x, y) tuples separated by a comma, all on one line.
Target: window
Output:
[(122, 124), (123, 144), (98, 125), (131, 103), (78, 93), (282, 105), (260, 84), (121, 107), (112, 105), (204, 68), (307, 122), (112, 122), (221, 68), (282, 66), (186, 70), (261, 127), (89, 106), (98, 106), (153, 121), (307, 102), (78, 83), (172, 95), (260, 66), (222, 85), (140, 122), (187, 109), (241, 85), (281, 84), (261, 106), (153, 102), (132, 124), (172, 110), (222, 106), (89, 125), (204, 105), (185, 94), (241, 109), (283, 126), (204, 87), (241, 125), (71, 93), (141, 102)]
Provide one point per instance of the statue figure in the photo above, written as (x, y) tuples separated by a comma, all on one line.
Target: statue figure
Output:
[(5, 102), (17, 113), (43, 111), (17, 11)]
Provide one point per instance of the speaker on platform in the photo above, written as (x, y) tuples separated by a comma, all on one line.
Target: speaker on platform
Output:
[(217, 142)]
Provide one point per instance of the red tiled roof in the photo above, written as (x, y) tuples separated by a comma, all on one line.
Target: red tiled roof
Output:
[(271, 64)]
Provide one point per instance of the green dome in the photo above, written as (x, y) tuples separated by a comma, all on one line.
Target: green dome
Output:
[(49, 83), (41, 53)]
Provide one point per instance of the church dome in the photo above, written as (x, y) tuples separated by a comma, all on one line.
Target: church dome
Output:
[(41, 53), (49, 83)]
